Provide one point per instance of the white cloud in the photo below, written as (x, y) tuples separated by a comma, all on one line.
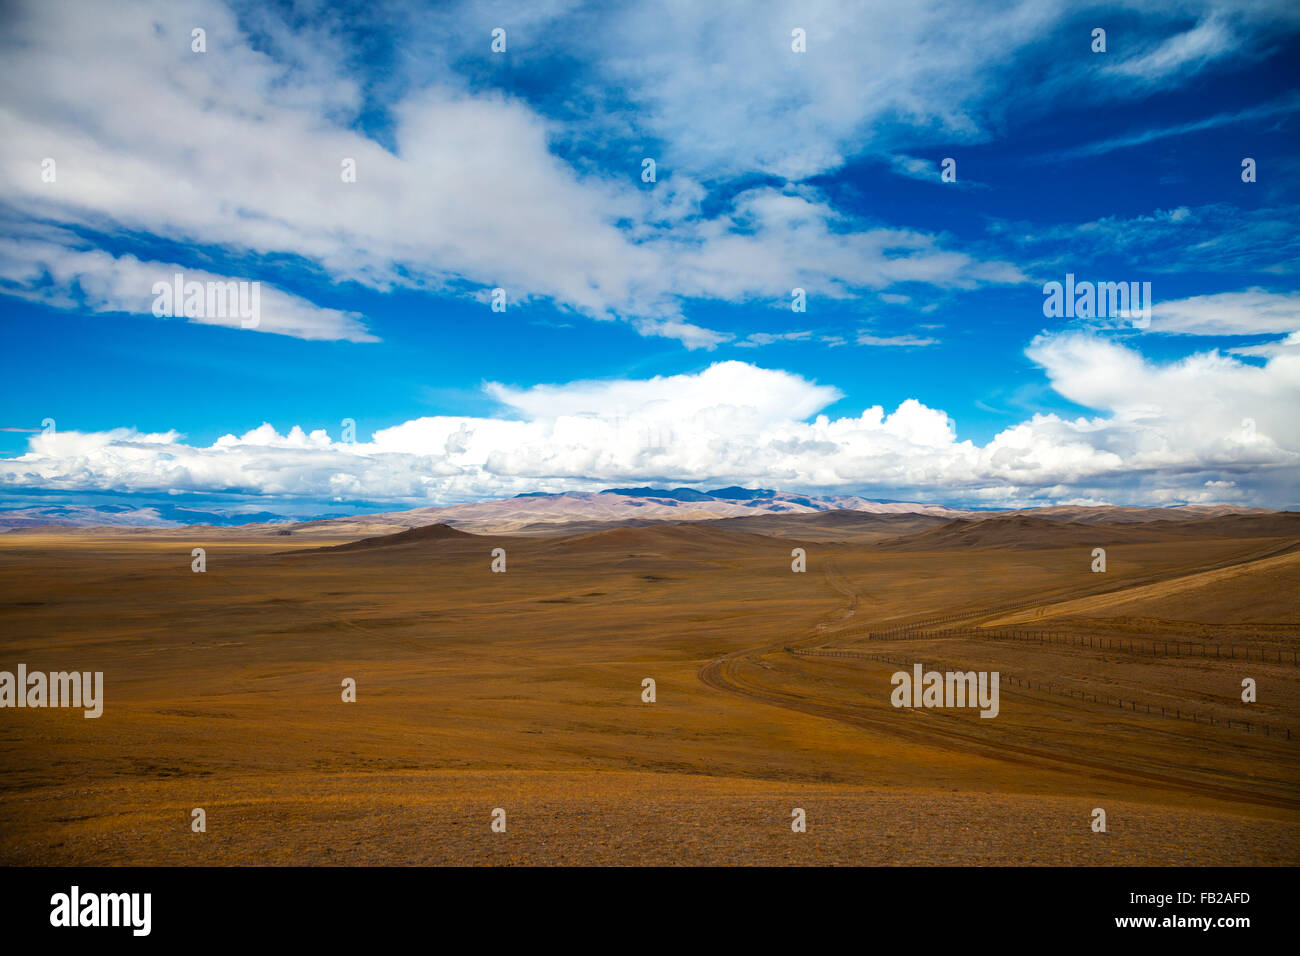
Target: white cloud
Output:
[(865, 338), (756, 339), (915, 168), (1287, 346), (766, 395), (1279, 106), (773, 241), (878, 77), (1214, 238), (1181, 53), (1186, 416), (74, 277), (240, 150), (869, 69), (1162, 433), (1250, 312), (691, 335)]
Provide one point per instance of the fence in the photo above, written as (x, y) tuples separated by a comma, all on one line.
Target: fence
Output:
[(1248, 726), (956, 617), (1263, 655)]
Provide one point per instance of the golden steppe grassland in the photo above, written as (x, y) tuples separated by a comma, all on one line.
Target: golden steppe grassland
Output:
[(523, 691)]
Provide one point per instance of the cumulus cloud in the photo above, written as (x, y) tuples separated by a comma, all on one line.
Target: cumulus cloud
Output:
[(1204, 412), (1202, 428), (237, 153), (766, 395)]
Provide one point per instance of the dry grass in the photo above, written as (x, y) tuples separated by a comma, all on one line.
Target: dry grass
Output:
[(522, 690)]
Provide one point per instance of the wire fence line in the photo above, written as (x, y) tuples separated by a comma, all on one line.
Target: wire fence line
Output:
[(936, 626), (1101, 642), (1048, 687)]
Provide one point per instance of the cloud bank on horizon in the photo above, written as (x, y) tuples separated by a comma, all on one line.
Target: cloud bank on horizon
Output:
[(1166, 439), (523, 171)]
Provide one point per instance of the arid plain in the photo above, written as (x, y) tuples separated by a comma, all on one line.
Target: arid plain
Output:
[(523, 691)]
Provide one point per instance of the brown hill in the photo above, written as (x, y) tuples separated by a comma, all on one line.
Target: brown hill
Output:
[(670, 540), (1022, 532), (1115, 514), (1268, 524), (1258, 592), (1013, 532), (840, 525), (420, 535)]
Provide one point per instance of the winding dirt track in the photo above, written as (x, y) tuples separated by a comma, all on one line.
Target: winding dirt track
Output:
[(726, 674)]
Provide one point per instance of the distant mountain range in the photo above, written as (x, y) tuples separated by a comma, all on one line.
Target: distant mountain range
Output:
[(542, 513), (126, 516), (576, 511)]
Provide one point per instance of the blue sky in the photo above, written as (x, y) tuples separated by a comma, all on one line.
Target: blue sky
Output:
[(648, 335)]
